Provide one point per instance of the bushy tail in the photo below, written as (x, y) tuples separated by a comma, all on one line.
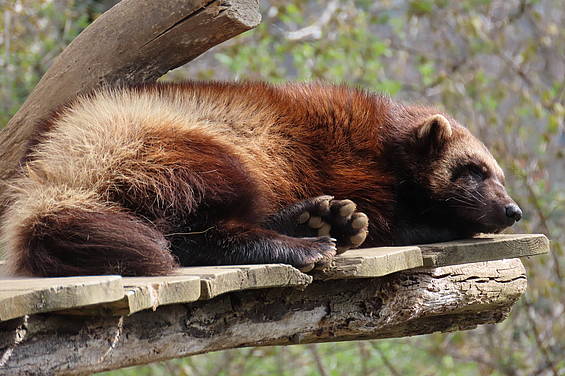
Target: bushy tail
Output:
[(77, 240)]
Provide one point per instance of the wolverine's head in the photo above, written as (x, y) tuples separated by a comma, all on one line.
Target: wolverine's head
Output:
[(463, 183)]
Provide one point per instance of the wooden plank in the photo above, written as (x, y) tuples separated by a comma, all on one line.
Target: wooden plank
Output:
[(372, 262), (193, 283), (486, 247), (141, 293), (216, 280), (20, 297), (112, 295), (151, 292)]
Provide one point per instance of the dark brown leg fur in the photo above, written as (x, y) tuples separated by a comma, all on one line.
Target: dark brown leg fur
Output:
[(229, 244)]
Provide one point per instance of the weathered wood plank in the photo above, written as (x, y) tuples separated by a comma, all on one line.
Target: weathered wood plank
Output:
[(151, 292), (20, 297), (484, 247), (372, 262), (417, 301), (142, 293), (194, 283), (218, 280)]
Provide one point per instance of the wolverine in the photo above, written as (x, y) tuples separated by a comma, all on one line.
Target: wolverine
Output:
[(140, 180)]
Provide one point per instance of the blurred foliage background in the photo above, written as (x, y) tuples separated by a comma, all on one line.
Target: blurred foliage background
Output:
[(497, 65)]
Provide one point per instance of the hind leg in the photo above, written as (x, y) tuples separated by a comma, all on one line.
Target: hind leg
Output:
[(323, 216), (208, 205)]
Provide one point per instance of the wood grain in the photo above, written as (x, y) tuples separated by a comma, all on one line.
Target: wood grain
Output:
[(372, 262), (484, 248), (19, 297), (216, 280)]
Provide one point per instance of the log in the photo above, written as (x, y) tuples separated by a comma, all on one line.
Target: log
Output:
[(136, 41), (412, 302)]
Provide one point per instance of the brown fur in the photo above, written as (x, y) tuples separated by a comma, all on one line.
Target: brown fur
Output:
[(109, 241), (117, 178)]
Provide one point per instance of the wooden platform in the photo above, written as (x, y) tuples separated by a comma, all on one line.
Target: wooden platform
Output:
[(82, 325), (114, 295)]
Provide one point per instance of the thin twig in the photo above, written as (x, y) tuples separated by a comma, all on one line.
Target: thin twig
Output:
[(385, 360), (314, 31), (316, 355), (364, 356)]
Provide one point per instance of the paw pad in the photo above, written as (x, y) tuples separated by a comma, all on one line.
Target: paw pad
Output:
[(315, 222), (337, 218)]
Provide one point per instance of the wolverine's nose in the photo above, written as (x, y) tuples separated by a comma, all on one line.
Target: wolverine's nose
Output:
[(513, 212)]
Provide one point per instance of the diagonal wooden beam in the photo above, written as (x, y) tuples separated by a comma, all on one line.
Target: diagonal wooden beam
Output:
[(136, 41)]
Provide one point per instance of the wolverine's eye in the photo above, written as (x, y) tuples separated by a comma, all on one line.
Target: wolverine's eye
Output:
[(477, 172), (469, 170)]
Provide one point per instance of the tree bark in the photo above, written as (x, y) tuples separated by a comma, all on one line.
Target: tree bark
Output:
[(136, 41), (407, 303)]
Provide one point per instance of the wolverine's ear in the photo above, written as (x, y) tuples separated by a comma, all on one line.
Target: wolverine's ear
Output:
[(434, 131)]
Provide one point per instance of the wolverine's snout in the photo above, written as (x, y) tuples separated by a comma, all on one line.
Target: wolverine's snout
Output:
[(505, 212), (494, 209), (513, 213), (500, 215)]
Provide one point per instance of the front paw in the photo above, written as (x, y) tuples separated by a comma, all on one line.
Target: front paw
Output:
[(338, 219)]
